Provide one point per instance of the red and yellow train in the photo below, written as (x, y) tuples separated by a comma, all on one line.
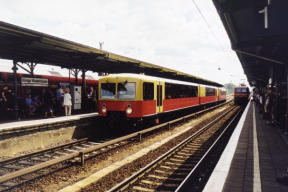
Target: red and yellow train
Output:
[(241, 95), (136, 96), (6, 78)]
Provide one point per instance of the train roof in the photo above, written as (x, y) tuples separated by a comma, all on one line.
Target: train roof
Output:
[(152, 78), (25, 45)]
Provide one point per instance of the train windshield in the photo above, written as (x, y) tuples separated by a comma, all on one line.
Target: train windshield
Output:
[(126, 90), (239, 90), (108, 90)]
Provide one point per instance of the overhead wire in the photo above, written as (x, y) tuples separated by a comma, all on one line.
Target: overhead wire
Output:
[(207, 24), (210, 30)]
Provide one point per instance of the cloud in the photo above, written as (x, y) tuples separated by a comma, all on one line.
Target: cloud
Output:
[(164, 32)]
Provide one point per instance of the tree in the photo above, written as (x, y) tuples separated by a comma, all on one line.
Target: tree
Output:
[(229, 87)]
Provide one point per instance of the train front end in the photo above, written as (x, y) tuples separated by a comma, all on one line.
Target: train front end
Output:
[(241, 95), (121, 96)]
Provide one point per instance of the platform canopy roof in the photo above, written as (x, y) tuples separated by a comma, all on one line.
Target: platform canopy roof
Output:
[(25, 45), (258, 32)]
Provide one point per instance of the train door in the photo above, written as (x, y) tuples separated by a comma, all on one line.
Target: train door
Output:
[(159, 97)]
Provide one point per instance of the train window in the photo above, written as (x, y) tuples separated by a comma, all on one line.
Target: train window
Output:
[(173, 91), (108, 90), (210, 91), (239, 90), (126, 90), (148, 91)]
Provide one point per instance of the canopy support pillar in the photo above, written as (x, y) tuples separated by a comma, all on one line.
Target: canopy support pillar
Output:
[(83, 89), (14, 68)]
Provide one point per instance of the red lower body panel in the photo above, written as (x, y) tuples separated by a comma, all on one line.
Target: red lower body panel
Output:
[(241, 95), (139, 108), (174, 104), (208, 99), (147, 108), (222, 97)]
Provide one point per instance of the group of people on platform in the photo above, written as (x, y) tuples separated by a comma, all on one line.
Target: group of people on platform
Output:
[(267, 103), (42, 102)]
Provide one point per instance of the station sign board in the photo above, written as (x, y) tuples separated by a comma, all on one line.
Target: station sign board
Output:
[(34, 82)]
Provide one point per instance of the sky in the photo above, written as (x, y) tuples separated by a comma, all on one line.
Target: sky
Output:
[(169, 33)]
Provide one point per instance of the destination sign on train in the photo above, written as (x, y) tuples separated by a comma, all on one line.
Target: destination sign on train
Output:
[(26, 81)]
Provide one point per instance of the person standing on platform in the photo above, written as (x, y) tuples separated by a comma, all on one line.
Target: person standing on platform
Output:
[(3, 102), (267, 107), (48, 102), (59, 100), (31, 108), (92, 98), (67, 102)]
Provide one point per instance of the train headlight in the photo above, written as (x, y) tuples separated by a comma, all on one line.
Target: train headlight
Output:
[(129, 109), (104, 109)]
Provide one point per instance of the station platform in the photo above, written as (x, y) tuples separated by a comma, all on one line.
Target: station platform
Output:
[(39, 122), (255, 158)]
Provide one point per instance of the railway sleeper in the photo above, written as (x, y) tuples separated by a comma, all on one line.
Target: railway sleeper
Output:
[(157, 186), (144, 189), (3, 188), (188, 151), (25, 162), (93, 143), (170, 173), (175, 179), (154, 183), (13, 167), (8, 184), (3, 172), (61, 153), (192, 147), (181, 156), (179, 164), (175, 169), (182, 153), (71, 150), (26, 177), (37, 158), (43, 172), (79, 148), (177, 160), (85, 145), (168, 185)]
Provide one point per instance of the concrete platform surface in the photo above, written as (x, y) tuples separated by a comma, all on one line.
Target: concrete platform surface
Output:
[(28, 123), (255, 159)]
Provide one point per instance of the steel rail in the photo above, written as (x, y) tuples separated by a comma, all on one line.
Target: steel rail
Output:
[(123, 185), (81, 153), (6, 161), (185, 182)]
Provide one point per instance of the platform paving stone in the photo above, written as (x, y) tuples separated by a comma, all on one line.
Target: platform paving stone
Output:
[(273, 157)]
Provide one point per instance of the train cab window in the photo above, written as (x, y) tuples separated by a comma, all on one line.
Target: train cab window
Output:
[(210, 91), (108, 90), (148, 91), (126, 90), (239, 90)]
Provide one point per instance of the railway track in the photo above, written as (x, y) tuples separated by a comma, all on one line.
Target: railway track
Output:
[(16, 171), (168, 171), (30, 129)]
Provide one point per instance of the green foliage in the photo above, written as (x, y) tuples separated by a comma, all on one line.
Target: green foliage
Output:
[(229, 87)]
